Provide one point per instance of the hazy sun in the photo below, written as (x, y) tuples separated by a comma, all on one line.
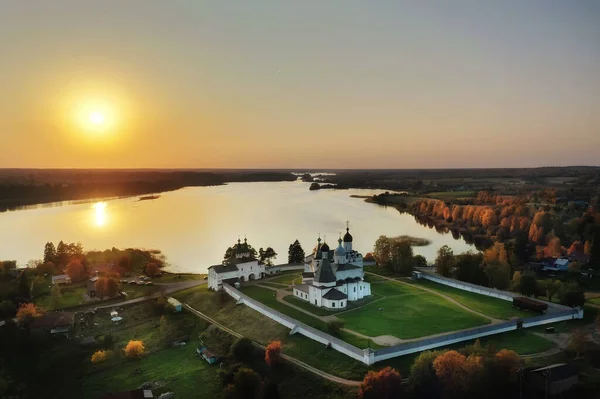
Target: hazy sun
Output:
[(96, 118)]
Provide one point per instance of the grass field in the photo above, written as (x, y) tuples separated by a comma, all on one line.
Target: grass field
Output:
[(183, 372), (286, 279), (262, 329), (493, 307), (71, 296), (408, 312), (265, 296)]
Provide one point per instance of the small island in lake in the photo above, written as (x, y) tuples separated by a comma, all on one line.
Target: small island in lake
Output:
[(149, 197)]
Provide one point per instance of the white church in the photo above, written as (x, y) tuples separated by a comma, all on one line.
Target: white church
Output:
[(332, 278), (242, 268)]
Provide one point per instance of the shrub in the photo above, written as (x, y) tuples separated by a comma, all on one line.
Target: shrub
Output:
[(334, 327), (134, 349), (101, 356), (27, 311), (243, 350)]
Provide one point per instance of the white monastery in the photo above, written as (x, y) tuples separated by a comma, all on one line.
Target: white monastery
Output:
[(242, 268), (332, 278)]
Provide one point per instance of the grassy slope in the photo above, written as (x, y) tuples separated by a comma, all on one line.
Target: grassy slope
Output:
[(262, 329), (287, 279), (410, 316), (493, 307)]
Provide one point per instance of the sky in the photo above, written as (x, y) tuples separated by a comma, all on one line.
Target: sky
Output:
[(299, 84)]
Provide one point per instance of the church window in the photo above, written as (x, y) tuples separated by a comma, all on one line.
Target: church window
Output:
[(333, 304), (354, 289)]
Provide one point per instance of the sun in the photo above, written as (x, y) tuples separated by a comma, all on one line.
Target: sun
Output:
[(97, 118)]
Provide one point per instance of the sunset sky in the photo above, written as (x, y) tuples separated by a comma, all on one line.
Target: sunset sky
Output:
[(299, 84)]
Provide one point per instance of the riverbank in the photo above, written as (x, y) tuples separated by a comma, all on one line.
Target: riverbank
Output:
[(25, 187)]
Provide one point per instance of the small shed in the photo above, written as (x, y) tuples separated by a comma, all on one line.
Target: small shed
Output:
[(175, 304), (207, 355), (61, 279)]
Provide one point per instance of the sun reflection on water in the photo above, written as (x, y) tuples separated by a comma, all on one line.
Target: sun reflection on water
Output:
[(100, 208)]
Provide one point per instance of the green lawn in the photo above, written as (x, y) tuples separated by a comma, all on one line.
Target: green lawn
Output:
[(71, 296), (411, 313), (595, 301), (262, 329), (265, 296), (373, 277), (287, 279), (493, 307), (176, 278), (183, 372), (274, 285)]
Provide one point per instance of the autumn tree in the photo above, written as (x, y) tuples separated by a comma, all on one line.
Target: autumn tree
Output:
[(124, 262), (26, 312), (152, 269), (101, 356), (273, 353), (76, 271), (383, 384), (444, 262), (553, 248), (394, 253), (457, 374), (100, 287), (134, 349), (111, 287), (296, 253), (578, 342)]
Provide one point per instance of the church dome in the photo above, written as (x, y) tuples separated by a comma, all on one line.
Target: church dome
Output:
[(340, 251), (347, 236), (324, 247)]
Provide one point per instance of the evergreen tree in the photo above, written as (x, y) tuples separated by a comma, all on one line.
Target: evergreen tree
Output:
[(49, 252), (296, 253), (61, 253)]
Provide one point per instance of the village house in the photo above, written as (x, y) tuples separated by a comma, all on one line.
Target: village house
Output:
[(56, 323)]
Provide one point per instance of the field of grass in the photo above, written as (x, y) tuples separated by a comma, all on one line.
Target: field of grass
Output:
[(275, 285), (372, 278), (287, 279), (71, 296), (493, 307), (262, 329), (265, 296), (408, 312), (176, 278), (183, 372), (326, 312)]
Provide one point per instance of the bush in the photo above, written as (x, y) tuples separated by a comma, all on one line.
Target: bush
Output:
[(134, 349), (243, 350), (334, 327), (101, 356)]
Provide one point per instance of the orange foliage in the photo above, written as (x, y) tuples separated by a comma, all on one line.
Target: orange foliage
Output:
[(101, 356), (456, 372), (575, 247), (76, 271), (536, 234), (26, 311), (496, 254), (273, 353), (587, 248), (554, 248), (135, 349), (385, 384)]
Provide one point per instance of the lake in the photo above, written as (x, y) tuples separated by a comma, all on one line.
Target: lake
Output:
[(194, 226)]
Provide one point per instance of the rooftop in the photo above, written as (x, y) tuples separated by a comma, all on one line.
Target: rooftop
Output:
[(335, 295), (53, 320), (219, 269)]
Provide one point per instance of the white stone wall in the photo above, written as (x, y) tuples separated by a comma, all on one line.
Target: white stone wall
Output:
[(301, 294), (215, 279), (334, 304)]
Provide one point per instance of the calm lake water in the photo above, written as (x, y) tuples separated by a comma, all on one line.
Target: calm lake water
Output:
[(193, 226)]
